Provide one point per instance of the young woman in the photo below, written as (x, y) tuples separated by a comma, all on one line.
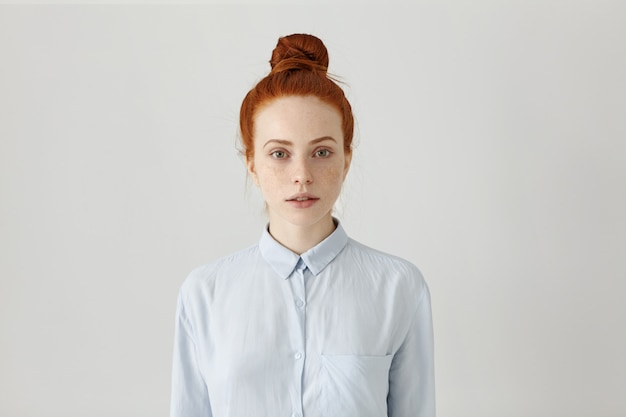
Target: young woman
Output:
[(308, 322)]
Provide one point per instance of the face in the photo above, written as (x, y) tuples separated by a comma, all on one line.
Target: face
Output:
[(299, 161)]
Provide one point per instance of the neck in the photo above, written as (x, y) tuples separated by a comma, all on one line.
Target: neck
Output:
[(300, 239)]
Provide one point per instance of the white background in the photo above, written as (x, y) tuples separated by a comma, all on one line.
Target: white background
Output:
[(491, 153)]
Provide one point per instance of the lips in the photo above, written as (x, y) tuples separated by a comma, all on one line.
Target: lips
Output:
[(302, 197), (302, 201)]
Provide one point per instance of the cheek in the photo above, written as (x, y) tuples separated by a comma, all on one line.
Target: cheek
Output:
[(271, 173), (332, 175), (269, 177)]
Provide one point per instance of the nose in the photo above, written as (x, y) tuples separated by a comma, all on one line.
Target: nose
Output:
[(302, 174)]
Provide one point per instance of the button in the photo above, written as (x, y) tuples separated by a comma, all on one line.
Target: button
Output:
[(299, 303), (298, 355)]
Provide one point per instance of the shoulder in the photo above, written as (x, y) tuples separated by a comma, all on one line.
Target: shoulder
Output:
[(384, 264), (206, 275), (369, 255), (394, 278)]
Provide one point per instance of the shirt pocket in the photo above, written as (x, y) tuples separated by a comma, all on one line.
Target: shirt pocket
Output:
[(354, 385)]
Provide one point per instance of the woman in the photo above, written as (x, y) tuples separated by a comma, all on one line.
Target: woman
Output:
[(307, 322)]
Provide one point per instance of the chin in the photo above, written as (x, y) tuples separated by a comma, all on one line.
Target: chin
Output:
[(307, 219)]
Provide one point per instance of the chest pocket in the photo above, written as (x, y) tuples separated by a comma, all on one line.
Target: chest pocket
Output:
[(354, 385)]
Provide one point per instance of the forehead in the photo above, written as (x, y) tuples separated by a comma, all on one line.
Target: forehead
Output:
[(297, 118)]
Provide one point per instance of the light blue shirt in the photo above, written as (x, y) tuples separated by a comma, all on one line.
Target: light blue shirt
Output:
[(341, 331)]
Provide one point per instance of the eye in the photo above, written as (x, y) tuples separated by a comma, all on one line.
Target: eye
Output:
[(279, 154), (322, 153)]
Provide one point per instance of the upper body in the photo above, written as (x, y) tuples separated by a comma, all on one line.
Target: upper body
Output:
[(341, 330), (307, 323)]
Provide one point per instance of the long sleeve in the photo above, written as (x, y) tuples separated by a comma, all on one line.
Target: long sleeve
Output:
[(412, 376), (190, 397)]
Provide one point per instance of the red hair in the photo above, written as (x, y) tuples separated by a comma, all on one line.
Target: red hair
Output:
[(299, 68)]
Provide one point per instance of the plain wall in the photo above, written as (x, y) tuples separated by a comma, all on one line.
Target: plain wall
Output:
[(491, 153)]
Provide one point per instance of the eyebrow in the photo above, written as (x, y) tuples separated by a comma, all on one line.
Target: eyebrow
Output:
[(287, 142)]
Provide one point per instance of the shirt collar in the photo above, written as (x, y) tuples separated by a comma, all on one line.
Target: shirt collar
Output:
[(284, 261)]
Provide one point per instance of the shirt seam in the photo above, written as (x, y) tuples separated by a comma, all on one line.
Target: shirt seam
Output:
[(188, 330), (414, 316)]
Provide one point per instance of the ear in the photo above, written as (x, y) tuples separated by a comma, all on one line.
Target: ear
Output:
[(251, 171), (346, 167)]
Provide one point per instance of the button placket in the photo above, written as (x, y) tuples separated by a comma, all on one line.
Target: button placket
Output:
[(299, 354)]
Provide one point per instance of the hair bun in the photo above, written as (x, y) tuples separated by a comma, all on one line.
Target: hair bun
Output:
[(299, 52)]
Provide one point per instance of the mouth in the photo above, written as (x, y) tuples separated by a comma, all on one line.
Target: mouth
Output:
[(302, 201), (302, 197)]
